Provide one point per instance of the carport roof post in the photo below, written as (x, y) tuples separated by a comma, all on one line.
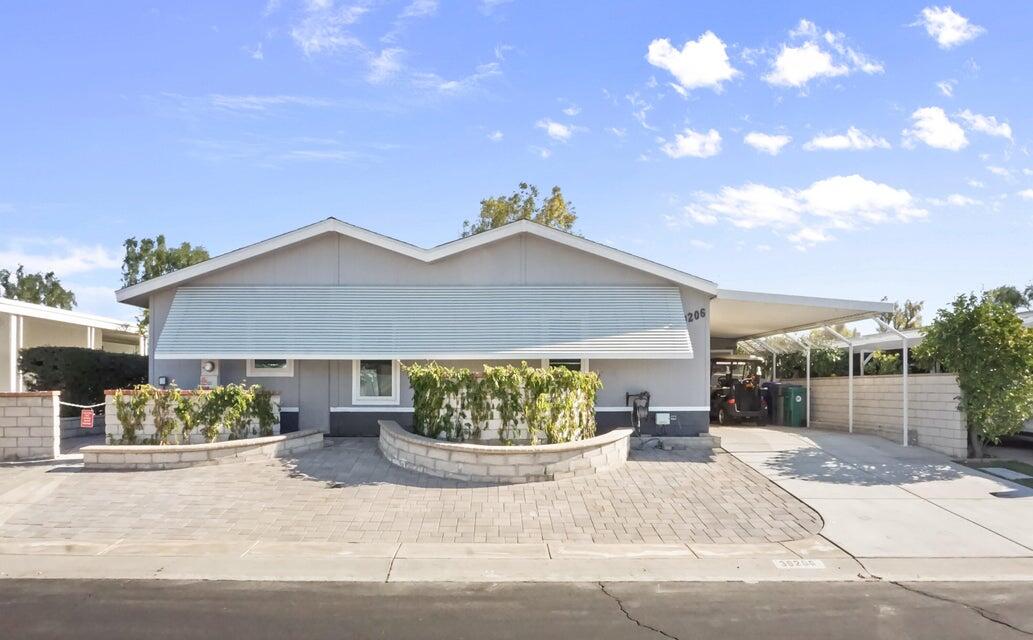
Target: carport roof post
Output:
[(904, 367), (849, 359)]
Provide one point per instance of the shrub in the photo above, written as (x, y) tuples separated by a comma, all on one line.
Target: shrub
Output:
[(232, 407), (81, 375), (554, 404), (984, 343)]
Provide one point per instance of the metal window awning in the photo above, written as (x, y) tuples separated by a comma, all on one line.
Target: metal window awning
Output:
[(425, 322)]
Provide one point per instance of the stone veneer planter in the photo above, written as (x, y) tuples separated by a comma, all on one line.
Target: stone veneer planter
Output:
[(177, 456), (500, 463)]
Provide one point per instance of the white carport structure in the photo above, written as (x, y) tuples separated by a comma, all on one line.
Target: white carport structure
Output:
[(750, 318), (24, 324)]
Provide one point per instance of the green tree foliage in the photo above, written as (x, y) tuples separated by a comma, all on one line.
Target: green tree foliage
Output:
[(1011, 296), (983, 341), (906, 316), (149, 258), (38, 288), (524, 204)]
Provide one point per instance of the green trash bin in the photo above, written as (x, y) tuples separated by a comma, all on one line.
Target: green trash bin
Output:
[(795, 405)]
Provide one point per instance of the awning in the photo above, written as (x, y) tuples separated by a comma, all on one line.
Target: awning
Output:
[(424, 323), (749, 314)]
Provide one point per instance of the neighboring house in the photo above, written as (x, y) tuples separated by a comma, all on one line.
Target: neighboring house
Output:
[(325, 315), (23, 324), (1027, 318)]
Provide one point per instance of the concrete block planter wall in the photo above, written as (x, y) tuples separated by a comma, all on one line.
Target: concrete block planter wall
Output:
[(30, 425), (500, 463), (153, 457)]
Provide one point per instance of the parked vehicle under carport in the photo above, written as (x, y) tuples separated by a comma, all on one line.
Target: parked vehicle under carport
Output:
[(735, 390)]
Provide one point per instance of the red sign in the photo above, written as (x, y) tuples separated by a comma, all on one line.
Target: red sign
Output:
[(86, 419)]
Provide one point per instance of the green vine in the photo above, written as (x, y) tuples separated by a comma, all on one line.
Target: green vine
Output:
[(233, 407), (554, 404)]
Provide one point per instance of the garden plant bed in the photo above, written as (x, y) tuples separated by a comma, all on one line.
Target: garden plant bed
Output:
[(154, 457), (503, 463), (1011, 465)]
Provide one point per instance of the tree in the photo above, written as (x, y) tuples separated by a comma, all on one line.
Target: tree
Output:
[(149, 258), (906, 316), (554, 211), (1011, 296), (983, 341), (38, 288)]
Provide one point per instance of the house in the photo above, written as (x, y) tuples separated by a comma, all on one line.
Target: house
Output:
[(23, 324), (326, 314)]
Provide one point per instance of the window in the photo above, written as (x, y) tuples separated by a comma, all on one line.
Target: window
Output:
[(574, 364), (270, 368), (375, 382)]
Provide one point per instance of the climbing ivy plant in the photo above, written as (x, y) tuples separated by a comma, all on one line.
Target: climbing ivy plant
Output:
[(241, 410), (550, 404)]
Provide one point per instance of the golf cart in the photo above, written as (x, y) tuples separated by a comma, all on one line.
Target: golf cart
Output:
[(735, 390)]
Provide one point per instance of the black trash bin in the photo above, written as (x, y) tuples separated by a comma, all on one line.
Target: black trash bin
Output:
[(770, 391)]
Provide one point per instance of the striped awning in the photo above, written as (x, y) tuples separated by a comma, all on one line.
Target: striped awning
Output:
[(424, 322)]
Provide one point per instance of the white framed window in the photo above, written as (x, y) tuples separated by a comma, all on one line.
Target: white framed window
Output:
[(375, 381), (270, 368), (574, 364)]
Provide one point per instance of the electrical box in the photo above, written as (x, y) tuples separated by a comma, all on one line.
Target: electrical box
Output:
[(663, 419)]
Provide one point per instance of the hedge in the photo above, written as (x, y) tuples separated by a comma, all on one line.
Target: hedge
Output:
[(81, 375)]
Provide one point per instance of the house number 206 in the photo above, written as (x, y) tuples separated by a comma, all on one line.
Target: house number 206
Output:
[(695, 315)]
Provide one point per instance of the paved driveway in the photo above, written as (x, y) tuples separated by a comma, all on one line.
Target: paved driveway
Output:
[(349, 493), (881, 500)]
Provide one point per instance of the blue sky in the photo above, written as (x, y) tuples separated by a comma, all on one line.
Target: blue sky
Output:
[(879, 149)]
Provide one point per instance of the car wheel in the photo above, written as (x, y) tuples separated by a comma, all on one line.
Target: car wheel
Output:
[(722, 416)]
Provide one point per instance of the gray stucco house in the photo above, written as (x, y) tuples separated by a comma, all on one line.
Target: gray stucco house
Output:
[(324, 315)]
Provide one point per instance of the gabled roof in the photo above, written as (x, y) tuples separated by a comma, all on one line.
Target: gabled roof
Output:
[(136, 294)]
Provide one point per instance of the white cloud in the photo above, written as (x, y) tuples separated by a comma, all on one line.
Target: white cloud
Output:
[(770, 144), (59, 255), (253, 103), (955, 200), (854, 140), (985, 124), (254, 52), (701, 244), (932, 126), (556, 130), (805, 217), (572, 110), (699, 63), (694, 144), (496, 136), (641, 109), (542, 152), (946, 87), (797, 65), (323, 29), (618, 131), (385, 65), (999, 171), (420, 8), (435, 83), (948, 27), (1026, 194), (976, 184)]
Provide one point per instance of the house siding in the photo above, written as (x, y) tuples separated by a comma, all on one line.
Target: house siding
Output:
[(523, 259)]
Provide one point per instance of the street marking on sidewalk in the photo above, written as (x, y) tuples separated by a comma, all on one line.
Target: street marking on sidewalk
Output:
[(796, 563)]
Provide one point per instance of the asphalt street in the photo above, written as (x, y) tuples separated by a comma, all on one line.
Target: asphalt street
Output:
[(109, 609)]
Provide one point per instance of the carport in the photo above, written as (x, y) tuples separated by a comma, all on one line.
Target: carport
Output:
[(754, 320)]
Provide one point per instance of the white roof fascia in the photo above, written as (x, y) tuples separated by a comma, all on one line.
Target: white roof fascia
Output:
[(43, 312), (426, 255), (862, 306), (502, 355)]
